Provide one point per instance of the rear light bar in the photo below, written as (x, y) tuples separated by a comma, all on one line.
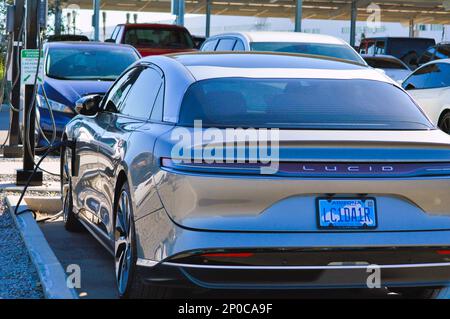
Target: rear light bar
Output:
[(443, 252), (225, 168), (310, 169)]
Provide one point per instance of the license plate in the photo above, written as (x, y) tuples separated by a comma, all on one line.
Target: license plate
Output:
[(347, 213)]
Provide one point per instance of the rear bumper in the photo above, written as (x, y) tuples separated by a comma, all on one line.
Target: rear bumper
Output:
[(311, 277), (160, 264)]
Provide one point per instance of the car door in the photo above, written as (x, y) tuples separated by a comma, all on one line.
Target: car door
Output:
[(429, 86), (87, 130), (135, 109), (93, 197)]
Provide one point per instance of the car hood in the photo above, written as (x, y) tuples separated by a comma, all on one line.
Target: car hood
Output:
[(68, 92)]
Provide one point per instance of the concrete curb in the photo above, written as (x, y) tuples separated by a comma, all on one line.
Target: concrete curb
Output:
[(50, 271), (47, 188)]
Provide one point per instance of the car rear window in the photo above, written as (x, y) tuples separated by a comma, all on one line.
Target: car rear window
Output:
[(338, 51), (300, 104), (159, 38), (385, 63)]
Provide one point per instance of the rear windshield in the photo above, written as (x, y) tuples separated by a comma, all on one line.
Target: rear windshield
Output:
[(159, 38), (300, 104), (385, 63), (338, 51)]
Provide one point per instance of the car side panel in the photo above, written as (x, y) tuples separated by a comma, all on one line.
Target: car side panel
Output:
[(432, 101), (142, 167)]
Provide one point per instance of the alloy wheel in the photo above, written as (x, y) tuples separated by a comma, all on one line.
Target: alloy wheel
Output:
[(123, 243)]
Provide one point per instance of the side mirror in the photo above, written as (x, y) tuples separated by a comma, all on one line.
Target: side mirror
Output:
[(88, 105), (110, 41)]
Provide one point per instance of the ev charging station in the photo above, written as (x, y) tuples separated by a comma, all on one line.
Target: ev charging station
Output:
[(26, 19)]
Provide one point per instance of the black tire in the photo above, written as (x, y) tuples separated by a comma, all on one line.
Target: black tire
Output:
[(134, 287), (71, 223), (418, 293), (444, 122)]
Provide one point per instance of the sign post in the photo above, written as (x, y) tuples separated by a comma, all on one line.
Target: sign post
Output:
[(30, 61)]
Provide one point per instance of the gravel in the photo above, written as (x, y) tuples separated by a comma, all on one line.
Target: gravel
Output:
[(18, 276)]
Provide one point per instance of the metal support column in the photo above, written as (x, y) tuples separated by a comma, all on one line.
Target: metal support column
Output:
[(208, 19), (181, 9), (24, 175), (58, 17), (14, 150), (412, 31), (298, 15), (96, 20), (354, 16)]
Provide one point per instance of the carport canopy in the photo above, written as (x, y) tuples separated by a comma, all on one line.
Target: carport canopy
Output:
[(405, 11)]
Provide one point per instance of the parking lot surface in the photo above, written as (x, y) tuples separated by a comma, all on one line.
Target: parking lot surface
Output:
[(98, 279), (97, 266)]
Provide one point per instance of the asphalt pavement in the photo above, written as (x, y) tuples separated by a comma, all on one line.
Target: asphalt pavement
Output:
[(96, 264), (98, 278)]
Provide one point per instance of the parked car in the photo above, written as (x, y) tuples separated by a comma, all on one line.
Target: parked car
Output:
[(395, 68), (73, 70), (286, 42), (154, 39), (406, 49), (68, 38), (437, 52), (429, 85), (198, 41), (362, 179)]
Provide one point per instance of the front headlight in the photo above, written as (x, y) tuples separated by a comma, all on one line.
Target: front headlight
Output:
[(55, 106)]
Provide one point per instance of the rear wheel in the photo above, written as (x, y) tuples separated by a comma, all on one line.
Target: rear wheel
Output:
[(129, 282), (444, 123), (71, 223)]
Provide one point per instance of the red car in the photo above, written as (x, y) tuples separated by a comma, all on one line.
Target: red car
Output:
[(154, 39)]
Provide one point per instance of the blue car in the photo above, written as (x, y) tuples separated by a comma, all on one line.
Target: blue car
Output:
[(72, 71)]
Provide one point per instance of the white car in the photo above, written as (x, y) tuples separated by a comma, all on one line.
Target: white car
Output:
[(429, 85), (286, 42), (395, 68)]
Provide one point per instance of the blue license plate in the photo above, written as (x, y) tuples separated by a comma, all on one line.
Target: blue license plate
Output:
[(347, 213)]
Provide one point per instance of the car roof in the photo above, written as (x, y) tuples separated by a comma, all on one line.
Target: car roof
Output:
[(208, 65), (152, 25), (281, 36), (396, 38)]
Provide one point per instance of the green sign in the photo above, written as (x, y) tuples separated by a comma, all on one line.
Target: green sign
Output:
[(29, 66)]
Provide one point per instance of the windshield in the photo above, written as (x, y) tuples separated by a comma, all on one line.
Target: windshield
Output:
[(301, 104), (85, 63), (159, 38), (385, 63), (329, 50)]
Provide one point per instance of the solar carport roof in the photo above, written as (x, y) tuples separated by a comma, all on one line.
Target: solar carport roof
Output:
[(421, 11)]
